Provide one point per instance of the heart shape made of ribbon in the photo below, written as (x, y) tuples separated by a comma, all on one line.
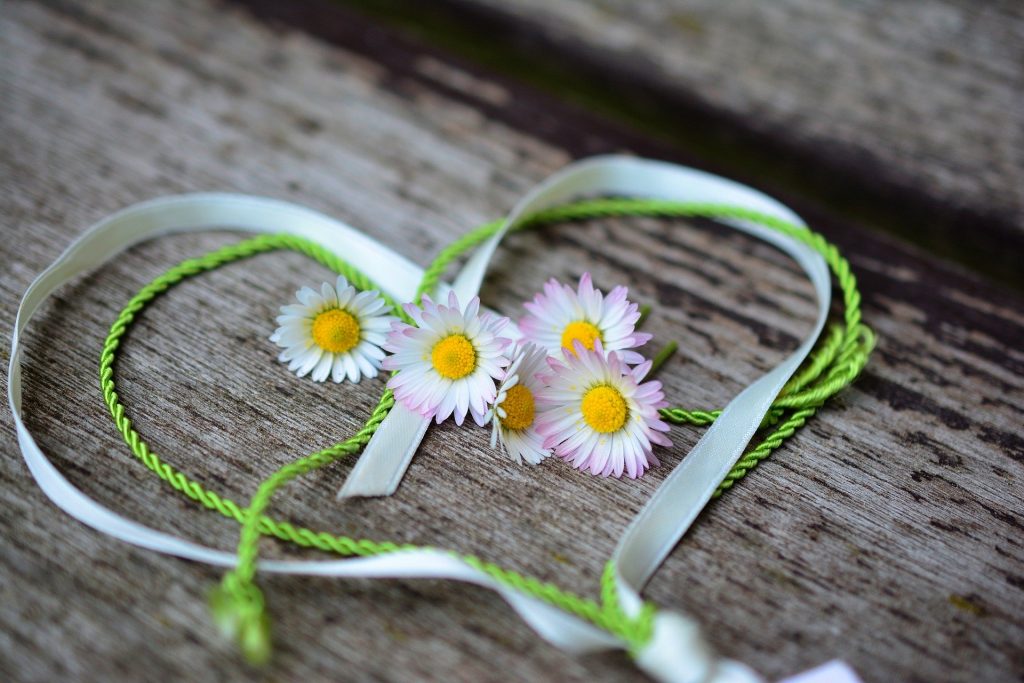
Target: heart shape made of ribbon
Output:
[(664, 644)]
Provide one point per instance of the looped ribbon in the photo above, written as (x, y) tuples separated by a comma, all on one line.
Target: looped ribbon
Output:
[(675, 653)]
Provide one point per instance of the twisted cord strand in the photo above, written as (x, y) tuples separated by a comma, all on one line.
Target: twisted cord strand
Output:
[(843, 352), (239, 605)]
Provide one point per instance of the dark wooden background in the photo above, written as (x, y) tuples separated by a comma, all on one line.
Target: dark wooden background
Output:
[(887, 533)]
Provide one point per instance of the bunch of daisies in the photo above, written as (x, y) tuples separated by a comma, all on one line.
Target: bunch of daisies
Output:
[(567, 380)]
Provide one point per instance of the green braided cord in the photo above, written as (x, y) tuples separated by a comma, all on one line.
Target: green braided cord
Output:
[(238, 604), (698, 418), (843, 352), (820, 359)]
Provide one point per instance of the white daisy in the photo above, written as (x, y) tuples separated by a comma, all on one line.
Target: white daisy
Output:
[(597, 414), (559, 317), (448, 363), (513, 414), (335, 333)]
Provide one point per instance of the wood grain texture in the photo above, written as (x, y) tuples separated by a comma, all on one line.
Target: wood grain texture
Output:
[(888, 532), (931, 93), (909, 114)]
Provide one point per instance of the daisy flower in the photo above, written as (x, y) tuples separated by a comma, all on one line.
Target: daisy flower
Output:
[(598, 415), (448, 363), (560, 317), (335, 333), (513, 415)]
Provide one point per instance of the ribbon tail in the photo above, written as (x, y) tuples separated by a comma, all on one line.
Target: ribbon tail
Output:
[(383, 463), (380, 468)]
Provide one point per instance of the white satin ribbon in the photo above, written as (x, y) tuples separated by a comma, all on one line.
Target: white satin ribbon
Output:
[(385, 459), (685, 492), (674, 654), (400, 278)]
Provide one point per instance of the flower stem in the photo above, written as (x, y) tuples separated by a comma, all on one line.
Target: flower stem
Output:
[(666, 352)]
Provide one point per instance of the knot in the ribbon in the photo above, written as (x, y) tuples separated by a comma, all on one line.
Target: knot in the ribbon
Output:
[(677, 653)]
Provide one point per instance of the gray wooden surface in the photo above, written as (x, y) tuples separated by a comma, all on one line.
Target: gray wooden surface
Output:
[(928, 95), (887, 533)]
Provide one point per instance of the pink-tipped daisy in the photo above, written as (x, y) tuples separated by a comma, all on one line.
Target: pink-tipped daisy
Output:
[(559, 317), (334, 333), (513, 414), (598, 415), (448, 363)]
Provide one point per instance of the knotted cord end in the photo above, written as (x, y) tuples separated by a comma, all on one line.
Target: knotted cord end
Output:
[(238, 610)]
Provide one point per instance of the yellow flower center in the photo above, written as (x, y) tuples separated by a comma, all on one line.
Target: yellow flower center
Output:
[(336, 330), (604, 409), (581, 331), (518, 407), (454, 357)]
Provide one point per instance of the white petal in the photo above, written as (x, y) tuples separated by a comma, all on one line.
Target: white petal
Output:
[(309, 298), (328, 294), (322, 369), (447, 407), (350, 367), (377, 323), (295, 310), (338, 369), (365, 364), (307, 361), (291, 337), (345, 296)]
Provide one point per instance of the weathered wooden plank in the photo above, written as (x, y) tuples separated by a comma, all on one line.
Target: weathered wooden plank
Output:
[(887, 532), (906, 117), (932, 93)]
